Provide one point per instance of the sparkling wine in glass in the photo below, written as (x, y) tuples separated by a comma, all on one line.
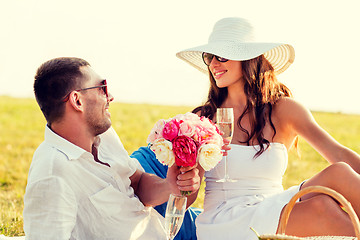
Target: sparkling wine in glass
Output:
[(174, 215), (225, 122)]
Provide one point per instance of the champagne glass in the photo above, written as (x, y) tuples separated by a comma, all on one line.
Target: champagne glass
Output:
[(174, 215), (225, 122)]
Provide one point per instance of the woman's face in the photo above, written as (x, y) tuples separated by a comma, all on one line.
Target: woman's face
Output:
[(226, 73)]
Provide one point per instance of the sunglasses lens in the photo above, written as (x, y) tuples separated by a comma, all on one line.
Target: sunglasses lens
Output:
[(105, 89), (207, 58), (220, 59)]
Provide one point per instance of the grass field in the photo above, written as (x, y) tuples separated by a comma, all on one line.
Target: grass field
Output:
[(22, 128)]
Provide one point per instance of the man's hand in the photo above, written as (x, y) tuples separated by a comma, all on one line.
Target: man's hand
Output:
[(183, 179)]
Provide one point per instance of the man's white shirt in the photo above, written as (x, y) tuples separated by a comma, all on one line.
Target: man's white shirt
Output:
[(70, 196)]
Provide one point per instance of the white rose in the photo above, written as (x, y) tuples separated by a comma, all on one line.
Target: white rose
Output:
[(209, 155), (163, 151)]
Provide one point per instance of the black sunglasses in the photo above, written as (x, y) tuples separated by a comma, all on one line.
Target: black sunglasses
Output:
[(208, 57), (103, 86)]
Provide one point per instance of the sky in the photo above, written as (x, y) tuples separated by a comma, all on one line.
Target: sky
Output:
[(133, 45)]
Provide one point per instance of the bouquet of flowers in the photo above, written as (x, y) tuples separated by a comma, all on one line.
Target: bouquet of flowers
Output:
[(185, 140)]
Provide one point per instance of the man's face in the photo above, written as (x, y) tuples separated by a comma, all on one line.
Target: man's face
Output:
[(96, 103)]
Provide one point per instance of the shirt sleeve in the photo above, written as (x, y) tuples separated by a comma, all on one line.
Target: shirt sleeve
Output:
[(50, 210), (110, 142)]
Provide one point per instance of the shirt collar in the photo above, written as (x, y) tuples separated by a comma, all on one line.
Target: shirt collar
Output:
[(71, 150)]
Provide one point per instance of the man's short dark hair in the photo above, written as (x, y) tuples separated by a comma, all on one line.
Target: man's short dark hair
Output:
[(54, 79)]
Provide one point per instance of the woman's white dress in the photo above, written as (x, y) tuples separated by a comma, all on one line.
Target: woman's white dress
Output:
[(255, 200)]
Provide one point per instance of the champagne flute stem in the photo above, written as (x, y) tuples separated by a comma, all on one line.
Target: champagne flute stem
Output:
[(227, 177), (225, 168)]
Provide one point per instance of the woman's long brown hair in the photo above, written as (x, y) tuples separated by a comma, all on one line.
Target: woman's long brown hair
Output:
[(262, 90)]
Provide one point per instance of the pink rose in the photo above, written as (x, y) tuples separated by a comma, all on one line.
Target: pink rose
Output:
[(207, 132), (187, 117), (185, 150), (187, 128), (204, 134), (156, 131), (171, 129)]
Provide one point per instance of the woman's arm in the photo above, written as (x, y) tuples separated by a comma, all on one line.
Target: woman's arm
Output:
[(302, 123)]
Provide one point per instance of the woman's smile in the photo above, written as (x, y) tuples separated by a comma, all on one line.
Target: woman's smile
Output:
[(217, 74)]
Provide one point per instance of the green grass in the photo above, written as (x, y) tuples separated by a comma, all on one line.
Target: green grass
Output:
[(22, 128)]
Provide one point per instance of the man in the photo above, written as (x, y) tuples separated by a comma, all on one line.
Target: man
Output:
[(81, 183)]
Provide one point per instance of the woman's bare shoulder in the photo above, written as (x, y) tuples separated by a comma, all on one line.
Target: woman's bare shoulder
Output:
[(289, 117), (289, 107), (293, 113), (286, 101)]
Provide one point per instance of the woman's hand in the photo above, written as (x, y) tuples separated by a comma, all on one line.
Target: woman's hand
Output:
[(226, 147)]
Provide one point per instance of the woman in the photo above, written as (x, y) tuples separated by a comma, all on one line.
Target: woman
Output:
[(268, 120)]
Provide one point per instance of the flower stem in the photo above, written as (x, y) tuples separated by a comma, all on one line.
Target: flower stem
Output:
[(185, 193)]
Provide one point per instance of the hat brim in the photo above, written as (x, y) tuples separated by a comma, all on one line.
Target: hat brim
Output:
[(281, 56)]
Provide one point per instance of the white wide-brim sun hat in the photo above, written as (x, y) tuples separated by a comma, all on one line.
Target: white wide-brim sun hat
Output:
[(233, 38)]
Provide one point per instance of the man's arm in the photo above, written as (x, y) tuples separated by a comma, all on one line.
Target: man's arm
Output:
[(153, 190), (49, 210)]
